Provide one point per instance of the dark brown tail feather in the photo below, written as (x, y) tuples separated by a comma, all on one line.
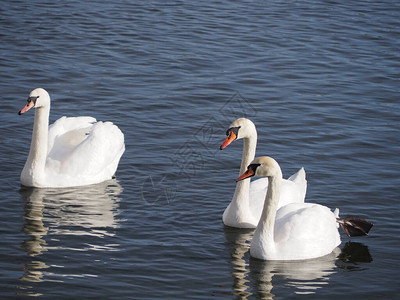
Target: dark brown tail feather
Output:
[(354, 226)]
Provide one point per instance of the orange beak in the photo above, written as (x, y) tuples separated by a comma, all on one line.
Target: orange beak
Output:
[(247, 174), (229, 139), (27, 107)]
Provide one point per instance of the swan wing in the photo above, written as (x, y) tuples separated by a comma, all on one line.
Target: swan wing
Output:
[(293, 191), (98, 153), (88, 153), (66, 133), (305, 230)]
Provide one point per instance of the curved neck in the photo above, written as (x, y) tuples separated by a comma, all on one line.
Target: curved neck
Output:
[(242, 191), (265, 227), (249, 151), (38, 152)]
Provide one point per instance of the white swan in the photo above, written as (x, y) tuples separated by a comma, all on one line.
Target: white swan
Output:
[(245, 208), (72, 151), (297, 230)]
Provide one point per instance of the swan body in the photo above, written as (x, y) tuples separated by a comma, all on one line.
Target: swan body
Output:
[(245, 208), (72, 151), (295, 231)]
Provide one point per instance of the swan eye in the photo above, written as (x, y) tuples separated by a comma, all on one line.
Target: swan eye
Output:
[(235, 130), (30, 99), (253, 167)]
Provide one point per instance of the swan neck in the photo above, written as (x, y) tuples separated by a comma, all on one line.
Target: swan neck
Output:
[(242, 191), (249, 151), (267, 221), (241, 197), (38, 152)]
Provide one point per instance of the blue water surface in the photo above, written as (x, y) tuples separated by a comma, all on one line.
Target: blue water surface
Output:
[(321, 81)]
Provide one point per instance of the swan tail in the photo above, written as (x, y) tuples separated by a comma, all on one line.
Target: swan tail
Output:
[(354, 226), (300, 175), (336, 213), (300, 179)]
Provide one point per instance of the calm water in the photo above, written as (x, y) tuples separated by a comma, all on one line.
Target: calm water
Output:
[(319, 79)]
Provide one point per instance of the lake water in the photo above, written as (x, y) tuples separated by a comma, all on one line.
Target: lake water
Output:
[(321, 81)]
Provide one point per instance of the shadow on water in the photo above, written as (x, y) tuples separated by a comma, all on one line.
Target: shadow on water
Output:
[(353, 255), (253, 276), (77, 213)]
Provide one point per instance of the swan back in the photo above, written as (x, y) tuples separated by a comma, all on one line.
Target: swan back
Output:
[(86, 155), (304, 231), (66, 133)]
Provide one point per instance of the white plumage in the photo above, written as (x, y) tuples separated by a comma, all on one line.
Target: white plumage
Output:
[(72, 151), (295, 231), (247, 203)]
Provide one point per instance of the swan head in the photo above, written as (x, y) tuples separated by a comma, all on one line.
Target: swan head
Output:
[(239, 129), (37, 98), (263, 166)]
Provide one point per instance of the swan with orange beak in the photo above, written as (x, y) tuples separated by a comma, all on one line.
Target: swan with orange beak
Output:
[(72, 151), (297, 230), (245, 208)]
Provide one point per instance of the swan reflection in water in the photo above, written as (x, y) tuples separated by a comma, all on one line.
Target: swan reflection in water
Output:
[(237, 242), (253, 276), (51, 215)]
